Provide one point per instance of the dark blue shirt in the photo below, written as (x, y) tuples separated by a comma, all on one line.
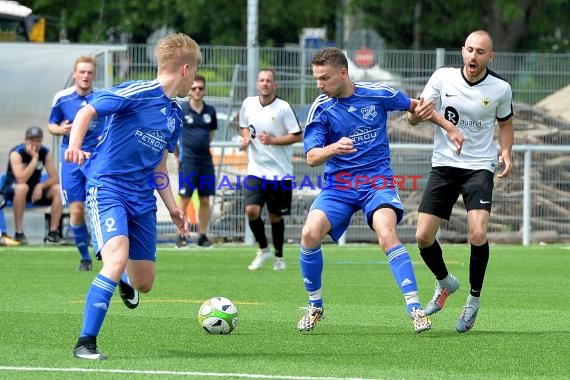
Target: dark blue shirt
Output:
[(195, 136), (26, 158)]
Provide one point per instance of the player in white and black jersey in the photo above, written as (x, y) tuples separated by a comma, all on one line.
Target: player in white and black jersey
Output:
[(268, 128), (464, 161)]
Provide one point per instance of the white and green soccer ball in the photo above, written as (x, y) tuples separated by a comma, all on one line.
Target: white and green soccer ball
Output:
[(218, 315)]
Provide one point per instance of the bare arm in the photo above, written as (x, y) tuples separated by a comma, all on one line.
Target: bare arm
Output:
[(506, 139), (177, 151), (245, 138), (318, 156), (424, 111), (287, 139), (53, 177), (23, 173), (63, 128), (80, 126)]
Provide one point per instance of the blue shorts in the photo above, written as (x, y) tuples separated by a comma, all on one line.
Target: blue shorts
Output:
[(113, 213), (72, 182), (339, 204)]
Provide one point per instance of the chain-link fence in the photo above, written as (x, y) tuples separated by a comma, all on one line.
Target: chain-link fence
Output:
[(32, 73)]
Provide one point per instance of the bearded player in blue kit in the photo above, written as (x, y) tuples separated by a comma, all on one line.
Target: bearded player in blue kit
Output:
[(143, 121), (346, 130)]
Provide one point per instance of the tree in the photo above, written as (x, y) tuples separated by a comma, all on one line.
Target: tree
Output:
[(216, 22), (515, 24)]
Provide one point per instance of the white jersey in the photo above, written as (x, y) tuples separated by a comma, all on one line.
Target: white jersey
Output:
[(277, 119), (473, 108)]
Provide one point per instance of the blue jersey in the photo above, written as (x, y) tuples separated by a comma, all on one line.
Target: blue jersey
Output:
[(65, 105), (361, 117), (141, 123)]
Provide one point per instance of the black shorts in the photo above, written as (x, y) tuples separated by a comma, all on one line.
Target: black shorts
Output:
[(446, 183), (200, 177), (277, 194)]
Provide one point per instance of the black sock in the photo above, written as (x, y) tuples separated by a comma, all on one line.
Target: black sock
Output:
[(86, 341), (433, 257), (258, 229), (278, 233), (478, 267)]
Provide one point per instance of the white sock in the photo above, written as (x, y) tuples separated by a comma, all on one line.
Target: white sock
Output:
[(317, 295), (412, 298)]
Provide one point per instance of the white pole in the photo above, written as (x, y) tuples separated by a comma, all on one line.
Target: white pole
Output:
[(252, 68), (439, 57), (252, 46), (526, 197)]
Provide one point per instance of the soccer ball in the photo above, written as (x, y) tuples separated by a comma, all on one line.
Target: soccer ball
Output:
[(218, 315)]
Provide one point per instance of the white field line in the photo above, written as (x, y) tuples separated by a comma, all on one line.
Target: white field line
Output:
[(172, 373)]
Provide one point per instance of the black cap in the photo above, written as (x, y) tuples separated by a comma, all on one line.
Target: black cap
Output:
[(34, 132)]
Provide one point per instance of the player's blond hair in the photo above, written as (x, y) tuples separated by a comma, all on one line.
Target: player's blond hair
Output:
[(85, 59), (176, 50)]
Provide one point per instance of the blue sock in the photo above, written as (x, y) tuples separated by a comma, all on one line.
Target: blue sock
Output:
[(96, 304), (3, 226), (125, 278), (81, 240), (403, 273), (312, 271)]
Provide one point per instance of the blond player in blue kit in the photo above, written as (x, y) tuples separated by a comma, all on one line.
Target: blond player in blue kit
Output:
[(143, 123)]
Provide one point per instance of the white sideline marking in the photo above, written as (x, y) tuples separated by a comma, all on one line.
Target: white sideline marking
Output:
[(175, 373)]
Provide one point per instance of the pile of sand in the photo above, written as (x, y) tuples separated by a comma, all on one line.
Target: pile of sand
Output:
[(557, 104)]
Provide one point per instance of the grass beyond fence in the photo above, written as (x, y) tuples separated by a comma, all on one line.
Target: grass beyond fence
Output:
[(522, 332)]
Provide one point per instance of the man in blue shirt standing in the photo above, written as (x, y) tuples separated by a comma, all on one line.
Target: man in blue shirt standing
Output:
[(346, 130), (143, 121), (65, 105)]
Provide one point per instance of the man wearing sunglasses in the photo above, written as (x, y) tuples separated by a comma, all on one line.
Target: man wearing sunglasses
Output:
[(196, 164)]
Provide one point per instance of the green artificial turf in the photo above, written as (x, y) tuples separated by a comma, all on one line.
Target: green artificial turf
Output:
[(522, 331)]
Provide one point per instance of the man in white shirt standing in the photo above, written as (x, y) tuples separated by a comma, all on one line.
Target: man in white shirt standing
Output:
[(268, 128), (464, 160)]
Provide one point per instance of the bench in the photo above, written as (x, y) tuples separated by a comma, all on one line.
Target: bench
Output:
[(45, 210)]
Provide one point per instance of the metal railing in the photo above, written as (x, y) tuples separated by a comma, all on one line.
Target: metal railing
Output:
[(530, 206)]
